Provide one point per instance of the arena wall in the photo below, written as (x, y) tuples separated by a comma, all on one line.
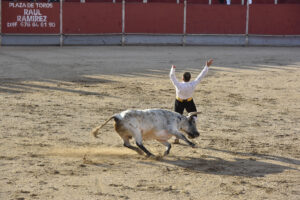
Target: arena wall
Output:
[(216, 19), (168, 22), (274, 19), (92, 18)]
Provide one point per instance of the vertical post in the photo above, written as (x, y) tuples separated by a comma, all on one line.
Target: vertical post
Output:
[(184, 23), (247, 25), (242, 2), (209, 2), (1, 23), (123, 22), (61, 22), (276, 2)]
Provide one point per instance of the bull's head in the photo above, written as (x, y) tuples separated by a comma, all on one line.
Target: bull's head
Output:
[(189, 125)]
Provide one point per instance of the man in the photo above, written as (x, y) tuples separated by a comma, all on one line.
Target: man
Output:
[(185, 90)]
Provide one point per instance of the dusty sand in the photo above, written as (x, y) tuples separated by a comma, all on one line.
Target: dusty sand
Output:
[(51, 98)]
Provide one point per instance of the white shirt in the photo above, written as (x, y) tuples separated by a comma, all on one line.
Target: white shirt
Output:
[(185, 90)]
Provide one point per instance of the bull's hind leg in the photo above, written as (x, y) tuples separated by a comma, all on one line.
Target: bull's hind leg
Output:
[(125, 135), (168, 146), (140, 144), (128, 145), (139, 141)]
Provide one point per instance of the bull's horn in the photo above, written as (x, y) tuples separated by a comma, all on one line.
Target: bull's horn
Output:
[(193, 113)]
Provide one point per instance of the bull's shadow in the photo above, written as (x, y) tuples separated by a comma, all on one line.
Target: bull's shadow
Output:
[(260, 156), (237, 167)]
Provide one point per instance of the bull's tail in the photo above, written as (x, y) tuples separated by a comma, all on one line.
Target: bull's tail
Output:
[(95, 131)]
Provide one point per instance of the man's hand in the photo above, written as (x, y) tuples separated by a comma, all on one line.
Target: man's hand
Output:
[(209, 62)]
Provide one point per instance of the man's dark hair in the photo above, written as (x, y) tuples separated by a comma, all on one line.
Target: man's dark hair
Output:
[(186, 76)]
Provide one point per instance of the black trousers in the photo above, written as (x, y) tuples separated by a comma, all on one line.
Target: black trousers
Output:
[(188, 105)]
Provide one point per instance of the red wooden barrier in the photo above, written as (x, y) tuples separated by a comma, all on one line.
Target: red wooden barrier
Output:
[(224, 2), (262, 1), (198, 1), (216, 19), (154, 18), (92, 18), (288, 1), (238, 2), (274, 19), (29, 17), (150, 18)]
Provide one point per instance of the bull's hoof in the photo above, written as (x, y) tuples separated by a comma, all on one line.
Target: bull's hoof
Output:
[(153, 157), (166, 153), (193, 145), (140, 152), (176, 141), (150, 155), (158, 157)]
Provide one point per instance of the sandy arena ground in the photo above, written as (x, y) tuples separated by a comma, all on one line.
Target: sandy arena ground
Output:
[(51, 98)]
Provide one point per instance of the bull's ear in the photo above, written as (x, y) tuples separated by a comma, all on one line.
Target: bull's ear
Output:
[(193, 114)]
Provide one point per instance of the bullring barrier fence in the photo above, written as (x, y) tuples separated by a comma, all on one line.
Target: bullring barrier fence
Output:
[(142, 22)]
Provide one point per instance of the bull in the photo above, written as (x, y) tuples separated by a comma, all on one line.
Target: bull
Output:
[(152, 124)]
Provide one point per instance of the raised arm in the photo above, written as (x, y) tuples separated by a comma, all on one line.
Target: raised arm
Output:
[(173, 76), (204, 71)]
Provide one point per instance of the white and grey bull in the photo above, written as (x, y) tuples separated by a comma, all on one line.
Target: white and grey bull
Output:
[(152, 124)]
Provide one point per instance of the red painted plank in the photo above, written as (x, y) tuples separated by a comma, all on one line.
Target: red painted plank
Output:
[(216, 19), (263, 1), (274, 19), (154, 18), (92, 18), (288, 1)]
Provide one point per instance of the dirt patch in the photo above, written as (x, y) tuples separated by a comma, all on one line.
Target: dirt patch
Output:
[(51, 100)]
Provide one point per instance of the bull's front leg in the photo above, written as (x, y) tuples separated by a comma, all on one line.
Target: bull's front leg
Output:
[(181, 136), (168, 146)]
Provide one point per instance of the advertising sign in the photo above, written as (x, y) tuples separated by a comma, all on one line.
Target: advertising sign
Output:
[(30, 17)]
